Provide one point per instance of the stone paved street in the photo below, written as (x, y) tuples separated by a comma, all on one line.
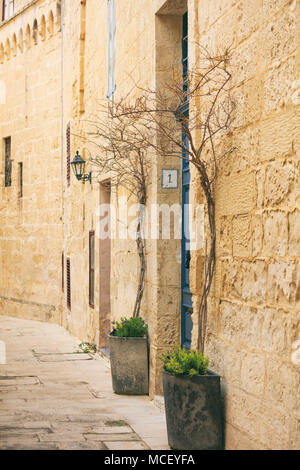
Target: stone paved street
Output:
[(52, 397)]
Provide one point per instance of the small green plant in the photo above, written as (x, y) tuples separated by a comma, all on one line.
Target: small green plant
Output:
[(130, 328), (184, 362), (87, 347)]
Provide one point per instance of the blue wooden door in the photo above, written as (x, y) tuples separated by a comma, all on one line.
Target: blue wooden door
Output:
[(186, 296)]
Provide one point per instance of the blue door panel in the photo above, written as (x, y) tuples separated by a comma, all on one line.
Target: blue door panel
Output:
[(186, 296)]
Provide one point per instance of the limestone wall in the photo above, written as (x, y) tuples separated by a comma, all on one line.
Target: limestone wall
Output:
[(85, 87), (30, 226), (254, 314), (254, 307)]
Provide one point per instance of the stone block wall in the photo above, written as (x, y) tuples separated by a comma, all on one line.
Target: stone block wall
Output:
[(254, 315), (254, 307), (30, 226)]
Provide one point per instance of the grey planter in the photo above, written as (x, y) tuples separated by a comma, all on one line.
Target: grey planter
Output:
[(129, 365), (193, 411)]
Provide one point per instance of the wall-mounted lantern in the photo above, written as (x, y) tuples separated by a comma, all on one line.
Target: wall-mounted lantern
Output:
[(78, 165)]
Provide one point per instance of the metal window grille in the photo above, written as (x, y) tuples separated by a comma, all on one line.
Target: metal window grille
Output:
[(20, 179), (185, 56), (91, 269), (69, 283), (68, 139), (8, 162)]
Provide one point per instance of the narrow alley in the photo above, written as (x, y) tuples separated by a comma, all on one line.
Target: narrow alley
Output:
[(53, 397)]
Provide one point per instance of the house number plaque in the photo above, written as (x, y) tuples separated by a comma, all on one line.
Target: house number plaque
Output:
[(169, 179)]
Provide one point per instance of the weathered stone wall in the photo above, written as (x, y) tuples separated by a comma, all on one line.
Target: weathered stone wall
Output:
[(254, 313), (30, 227), (140, 42), (80, 200), (254, 306)]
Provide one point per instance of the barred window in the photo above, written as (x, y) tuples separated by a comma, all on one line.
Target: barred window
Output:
[(91, 268), (20, 179), (68, 139), (63, 272), (69, 283), (8, 162), (7, 9)]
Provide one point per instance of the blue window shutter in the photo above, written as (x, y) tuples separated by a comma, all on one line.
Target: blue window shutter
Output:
[(111, 31), (108, 47)]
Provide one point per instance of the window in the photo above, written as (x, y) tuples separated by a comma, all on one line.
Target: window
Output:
[(69, 283), (63, 272), (68, 139), (91, 268), (7, 9), (20, 179), (8, 162), (111, 32)]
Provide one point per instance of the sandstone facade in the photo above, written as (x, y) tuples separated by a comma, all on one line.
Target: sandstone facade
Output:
[(53, 70)]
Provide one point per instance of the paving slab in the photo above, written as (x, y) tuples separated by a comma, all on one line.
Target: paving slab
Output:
[(54, 397), (124, 445)]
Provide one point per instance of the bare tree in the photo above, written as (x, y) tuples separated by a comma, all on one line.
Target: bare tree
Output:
[(188, 119), (184, 119), (123, 152)]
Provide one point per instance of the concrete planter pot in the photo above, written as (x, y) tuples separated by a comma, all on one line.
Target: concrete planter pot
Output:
[(129, 365), (193, 411)]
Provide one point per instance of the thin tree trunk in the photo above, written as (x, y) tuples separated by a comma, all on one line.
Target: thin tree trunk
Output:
[(140, 241), (209, 261)]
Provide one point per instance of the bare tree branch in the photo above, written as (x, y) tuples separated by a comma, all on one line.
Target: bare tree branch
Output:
[(149, 122)]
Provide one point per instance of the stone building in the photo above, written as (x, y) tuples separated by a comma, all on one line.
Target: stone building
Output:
[(55, 67)]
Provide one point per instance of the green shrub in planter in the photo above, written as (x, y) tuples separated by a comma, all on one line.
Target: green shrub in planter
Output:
[(129, 360), (130, 328), (192, 400), (184, 362)]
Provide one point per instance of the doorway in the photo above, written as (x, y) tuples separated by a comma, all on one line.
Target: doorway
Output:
[(105, 267)]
